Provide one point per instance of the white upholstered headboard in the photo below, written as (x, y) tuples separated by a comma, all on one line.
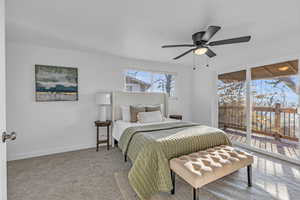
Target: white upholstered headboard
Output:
[(136, 98)]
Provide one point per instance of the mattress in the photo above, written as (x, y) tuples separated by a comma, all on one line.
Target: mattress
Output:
[(120, 126)]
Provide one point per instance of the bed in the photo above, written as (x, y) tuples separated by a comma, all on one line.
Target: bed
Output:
[(151, 146)]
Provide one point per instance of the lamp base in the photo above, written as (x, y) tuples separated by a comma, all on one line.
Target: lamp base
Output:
[(102, 113)]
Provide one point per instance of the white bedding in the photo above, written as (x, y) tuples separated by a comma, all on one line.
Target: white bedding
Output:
[(120, 126)]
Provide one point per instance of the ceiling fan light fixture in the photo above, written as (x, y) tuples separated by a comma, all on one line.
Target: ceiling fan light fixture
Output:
[(200, 51)]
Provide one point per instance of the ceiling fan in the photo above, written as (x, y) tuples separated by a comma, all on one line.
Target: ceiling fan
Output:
[(201, 44)]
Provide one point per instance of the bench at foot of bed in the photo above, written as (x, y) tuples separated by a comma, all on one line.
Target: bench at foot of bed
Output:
[(203, 167)]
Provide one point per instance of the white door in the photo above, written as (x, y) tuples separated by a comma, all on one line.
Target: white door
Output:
[(3, 190)]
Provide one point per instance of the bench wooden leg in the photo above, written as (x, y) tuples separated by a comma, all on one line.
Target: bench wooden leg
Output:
[(196, 193), (249, 172), (173, 176), (125, 158)]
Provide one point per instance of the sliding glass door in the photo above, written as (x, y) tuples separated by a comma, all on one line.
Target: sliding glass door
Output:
[(270, 112), (232, 105), (275, 99)]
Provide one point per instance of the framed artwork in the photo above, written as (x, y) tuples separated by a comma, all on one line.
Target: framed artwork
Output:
[(54, 83)]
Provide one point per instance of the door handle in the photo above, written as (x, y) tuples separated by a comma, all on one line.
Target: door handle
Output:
[(11, 136)]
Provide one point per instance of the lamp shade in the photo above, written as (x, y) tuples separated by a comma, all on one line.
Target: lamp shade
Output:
[(103, 98)]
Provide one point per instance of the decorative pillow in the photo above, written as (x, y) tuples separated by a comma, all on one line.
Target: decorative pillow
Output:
[(134, 110), (148, 117), (125, 110), (153, 108)]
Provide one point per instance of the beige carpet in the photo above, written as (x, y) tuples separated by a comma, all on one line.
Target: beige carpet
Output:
[(78, 175), (91, 175)]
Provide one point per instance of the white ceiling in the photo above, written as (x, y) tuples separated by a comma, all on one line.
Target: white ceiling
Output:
[(137, 28)]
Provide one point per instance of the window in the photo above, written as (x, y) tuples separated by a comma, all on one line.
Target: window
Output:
[(146, 81)]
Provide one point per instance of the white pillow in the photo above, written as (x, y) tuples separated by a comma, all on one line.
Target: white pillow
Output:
[(125, 110), (148, 117)]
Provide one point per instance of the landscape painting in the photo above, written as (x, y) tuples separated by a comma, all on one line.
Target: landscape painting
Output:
[(55, 83)]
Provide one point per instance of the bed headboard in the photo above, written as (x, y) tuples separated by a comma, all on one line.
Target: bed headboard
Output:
[(135, 98)]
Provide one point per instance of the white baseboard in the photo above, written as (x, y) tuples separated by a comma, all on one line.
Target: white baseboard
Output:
[(11, 157)]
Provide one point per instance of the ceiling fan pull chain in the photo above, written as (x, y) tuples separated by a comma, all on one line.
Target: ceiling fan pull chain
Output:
[(207, 62), (194, 65)]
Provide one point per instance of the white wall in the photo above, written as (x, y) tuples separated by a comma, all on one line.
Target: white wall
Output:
[(52, 127), (203, 96)]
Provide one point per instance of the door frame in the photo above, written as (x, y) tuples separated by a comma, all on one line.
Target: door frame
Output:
[(3, 168)]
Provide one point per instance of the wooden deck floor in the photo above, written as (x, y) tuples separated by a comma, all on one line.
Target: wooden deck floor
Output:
[(284, 147)]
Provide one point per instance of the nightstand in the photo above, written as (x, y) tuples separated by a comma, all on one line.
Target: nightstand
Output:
[(178, 117), (102, 124)]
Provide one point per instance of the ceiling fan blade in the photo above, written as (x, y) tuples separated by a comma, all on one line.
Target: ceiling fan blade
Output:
[(210, 53), (189, 51), (211, 31), (231, 41), (178, 45)]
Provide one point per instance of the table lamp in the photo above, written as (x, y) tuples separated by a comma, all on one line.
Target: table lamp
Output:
[(103, 100)]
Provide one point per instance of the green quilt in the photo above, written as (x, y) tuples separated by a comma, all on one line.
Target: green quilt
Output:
[(151, 147)]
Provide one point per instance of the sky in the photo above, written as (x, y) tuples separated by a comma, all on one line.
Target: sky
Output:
[(262, 87)]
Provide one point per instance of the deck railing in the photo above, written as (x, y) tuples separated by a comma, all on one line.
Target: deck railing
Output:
[(272, 121)]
